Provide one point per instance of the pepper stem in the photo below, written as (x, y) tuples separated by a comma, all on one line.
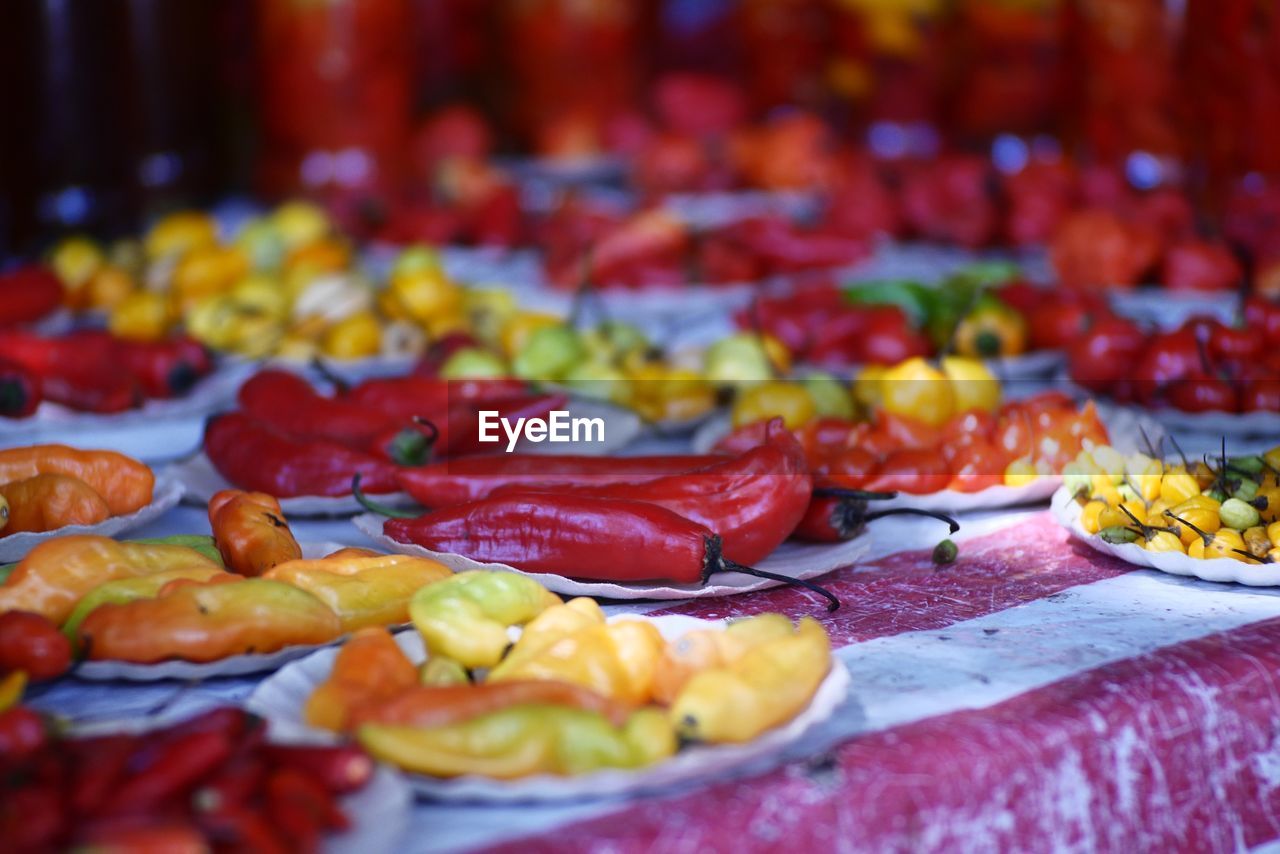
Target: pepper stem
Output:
[(841, 492), (340, 385), (733, 566), (376, 507), (915, 511), (1252, 556)]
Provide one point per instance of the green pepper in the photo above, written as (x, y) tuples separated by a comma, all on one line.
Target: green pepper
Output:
[(196, 542), (915, 299), (466, 617)]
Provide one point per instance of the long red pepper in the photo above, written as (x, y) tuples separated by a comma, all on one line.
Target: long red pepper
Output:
[(753, 501), (600, 539), (465, 479), (80, 370), (253, 456), (289, 404)]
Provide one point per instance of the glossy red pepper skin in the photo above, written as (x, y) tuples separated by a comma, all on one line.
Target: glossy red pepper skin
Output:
[(468, 478), (288, 403), (27, 294), (460, 434), (752, 501), (80, 370), (599, 539), (829, 519), (167, 368), (20, 393), (254, 456)]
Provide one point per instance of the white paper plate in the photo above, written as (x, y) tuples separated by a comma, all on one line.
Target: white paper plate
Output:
[(716, 209), (167, 493), (1218, 423), (798, 560), (207, 396), (281, 698), (1067, 512), (203, 481), (379, 812)]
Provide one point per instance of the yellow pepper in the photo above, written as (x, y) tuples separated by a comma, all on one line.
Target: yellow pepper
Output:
[(1164, 541), (1222, 543), (972, 385), (701, 650), (767, 686), (1020, 472), (1090, 514), (1273, 533), (204, 272), (12, 685), (466, 617), (180, 233), (761, 401), (141, 316), (992, 329), (262, 293), (1177, 486), (555, 623), (355, 337), (427, 294), (75, 260), (1199, 510), (363, 591), (298, 223), (523, 740), (616, 660), (1256, 541), (123, 590), (1113, 516), (107, 288), (868, 390), (916, 389)]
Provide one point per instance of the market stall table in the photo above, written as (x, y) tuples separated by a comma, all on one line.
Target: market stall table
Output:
[(1033, 695)]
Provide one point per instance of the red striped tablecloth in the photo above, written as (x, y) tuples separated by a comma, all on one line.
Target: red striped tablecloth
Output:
[(1034, 696)]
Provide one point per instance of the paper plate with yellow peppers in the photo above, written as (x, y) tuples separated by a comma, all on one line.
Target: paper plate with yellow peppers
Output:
[(506, 693), (244, 600), (49, 491), (1217, 518)]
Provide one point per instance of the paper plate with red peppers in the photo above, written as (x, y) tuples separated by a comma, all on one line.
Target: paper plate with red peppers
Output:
[(794, 560), (283, 697)]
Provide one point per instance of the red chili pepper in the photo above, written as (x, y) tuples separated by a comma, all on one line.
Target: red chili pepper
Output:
[(22, 733), (461, 433), (20, 393), (600, 539), (243, 830), (182, 763), (99, 765), (31, 643), (234, 785), (287, 403), (32, 818), (465, 479), (252, 455), (312, 804), (340, 769), (80, 370), (28, 294), (752, 501), (168, 368)]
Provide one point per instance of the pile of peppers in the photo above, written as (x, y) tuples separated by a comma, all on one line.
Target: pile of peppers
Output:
[(246, 589), (286, 439), (47, 487), (94, 371), (679, 519), (575, 693)]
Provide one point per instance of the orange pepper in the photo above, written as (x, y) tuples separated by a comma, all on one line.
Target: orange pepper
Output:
[(251, 531), (123, 482), (370, 668), (55, 574), (47, 502), (208, 622)]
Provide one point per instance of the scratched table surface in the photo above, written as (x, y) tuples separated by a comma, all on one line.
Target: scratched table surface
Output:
[(1034, 695)]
